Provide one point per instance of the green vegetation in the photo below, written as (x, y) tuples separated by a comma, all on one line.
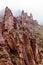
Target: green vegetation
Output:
[(38, 32), (13, 57), (1, 55), (19, 63), (17, 31), (41, 37)]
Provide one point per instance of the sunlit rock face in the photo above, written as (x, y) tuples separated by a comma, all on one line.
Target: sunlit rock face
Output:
[(8, 19), (25, 18), (17, 47), (4, 55), (1, 37)]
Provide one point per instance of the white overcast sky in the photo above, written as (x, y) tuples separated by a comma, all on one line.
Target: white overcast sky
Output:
[(31, 6)]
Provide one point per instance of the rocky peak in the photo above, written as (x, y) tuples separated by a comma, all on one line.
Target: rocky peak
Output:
[(31, 16), (8, 11), (8, 19)]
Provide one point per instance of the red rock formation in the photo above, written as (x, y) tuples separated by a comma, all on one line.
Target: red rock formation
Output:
[(35, 50), (4, 55), (25, 18), (29, 50), (1, 37), (8, 19), (21, 44)]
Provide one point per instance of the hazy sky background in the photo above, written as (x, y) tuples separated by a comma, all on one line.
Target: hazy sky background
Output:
[(30, 6)]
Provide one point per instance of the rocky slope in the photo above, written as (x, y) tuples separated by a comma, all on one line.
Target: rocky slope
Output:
[(18, 44), (33, 25), (38, 32)]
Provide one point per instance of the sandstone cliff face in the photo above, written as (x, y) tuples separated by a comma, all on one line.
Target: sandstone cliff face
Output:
[(20, 45), (4, 55), (8, 19), (25, 18)]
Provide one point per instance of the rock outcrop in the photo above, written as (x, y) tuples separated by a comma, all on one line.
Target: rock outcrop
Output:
[(4, 55), (25, 18), (8, 19), (18, 45)]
